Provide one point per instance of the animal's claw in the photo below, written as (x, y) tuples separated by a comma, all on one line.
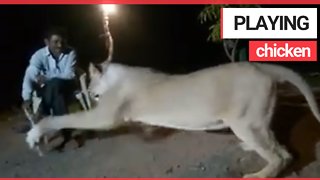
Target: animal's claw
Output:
[(33, 137)]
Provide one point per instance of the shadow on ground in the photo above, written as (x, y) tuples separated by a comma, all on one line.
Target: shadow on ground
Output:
[(297, 129)]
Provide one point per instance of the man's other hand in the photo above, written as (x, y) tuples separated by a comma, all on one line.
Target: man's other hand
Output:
[(27, 105), (41, 79)]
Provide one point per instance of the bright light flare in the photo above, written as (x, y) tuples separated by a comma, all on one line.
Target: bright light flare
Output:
[(109, 8)]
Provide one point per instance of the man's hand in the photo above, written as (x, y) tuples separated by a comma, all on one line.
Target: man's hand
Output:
[(28, 110), (41, 79), (27, 105)]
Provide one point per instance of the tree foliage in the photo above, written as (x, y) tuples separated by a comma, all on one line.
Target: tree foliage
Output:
[(211, 14)]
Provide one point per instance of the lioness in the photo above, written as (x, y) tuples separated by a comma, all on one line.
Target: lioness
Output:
[(240, 96)]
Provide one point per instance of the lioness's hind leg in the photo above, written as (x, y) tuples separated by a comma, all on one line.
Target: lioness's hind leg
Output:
[(253, 128), (261, 140)]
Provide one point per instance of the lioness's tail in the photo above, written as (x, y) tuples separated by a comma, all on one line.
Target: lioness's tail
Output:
[(282, 74)]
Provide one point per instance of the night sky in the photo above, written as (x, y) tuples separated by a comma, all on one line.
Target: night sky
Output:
[(167, 38)]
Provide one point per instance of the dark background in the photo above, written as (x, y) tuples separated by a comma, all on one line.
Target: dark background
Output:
[(168, 38)]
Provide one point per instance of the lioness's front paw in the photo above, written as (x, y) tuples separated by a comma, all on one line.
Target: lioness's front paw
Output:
[(33, 136), (244, 146)]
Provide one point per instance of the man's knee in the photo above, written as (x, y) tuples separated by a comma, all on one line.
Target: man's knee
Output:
[(54, 82), (56, 85)]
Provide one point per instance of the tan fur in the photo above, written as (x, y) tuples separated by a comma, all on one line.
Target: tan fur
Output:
[(240, 96)]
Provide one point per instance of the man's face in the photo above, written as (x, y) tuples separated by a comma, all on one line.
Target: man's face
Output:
[(56, 44)]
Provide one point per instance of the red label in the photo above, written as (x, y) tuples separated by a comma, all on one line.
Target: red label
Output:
[(282, 51)]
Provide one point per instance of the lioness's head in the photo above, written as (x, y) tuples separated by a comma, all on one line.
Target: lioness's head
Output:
[(97, 86)]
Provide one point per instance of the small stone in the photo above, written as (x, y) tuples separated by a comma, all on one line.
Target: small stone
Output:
[(18, 164), (153, 158), (169, 171), (6, 162), (178, 166), (202, 167)]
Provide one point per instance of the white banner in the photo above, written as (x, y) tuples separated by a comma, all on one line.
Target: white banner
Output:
[(269, 23)]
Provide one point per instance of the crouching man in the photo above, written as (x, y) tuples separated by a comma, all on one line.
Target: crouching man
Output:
[(51, 73)]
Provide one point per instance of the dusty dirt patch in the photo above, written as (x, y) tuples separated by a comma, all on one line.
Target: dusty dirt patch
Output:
[(182, 154)]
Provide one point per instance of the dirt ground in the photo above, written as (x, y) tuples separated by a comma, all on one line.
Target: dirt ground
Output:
[(181, 154)]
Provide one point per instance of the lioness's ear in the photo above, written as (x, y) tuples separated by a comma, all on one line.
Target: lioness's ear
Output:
[(94, 71)]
